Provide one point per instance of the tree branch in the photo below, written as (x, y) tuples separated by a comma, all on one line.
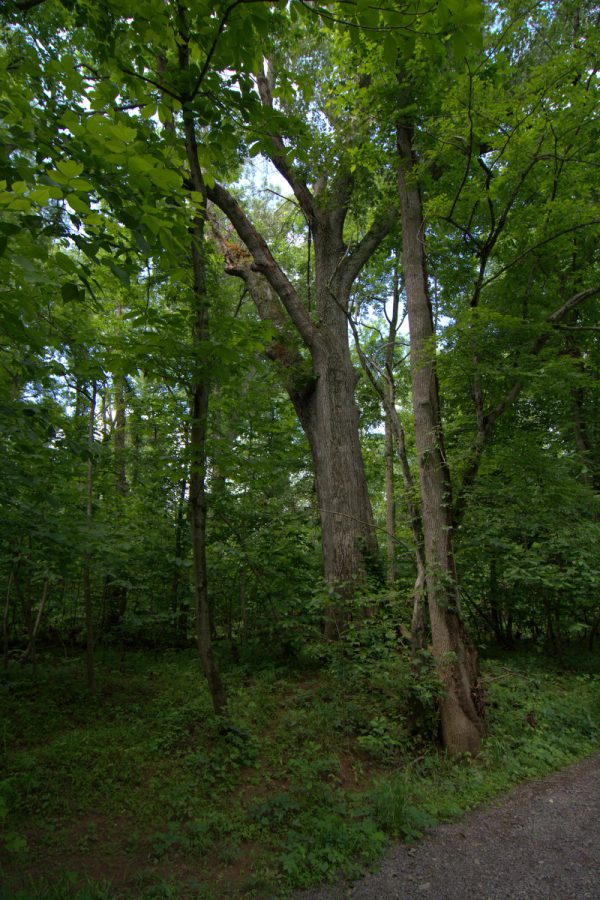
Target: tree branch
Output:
[(353, 262), (535, 247), (304, 197), (264, 262)]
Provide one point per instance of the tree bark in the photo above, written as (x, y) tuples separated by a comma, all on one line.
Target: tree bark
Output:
[(321, 387), (390, 389), (326, 404), (390, 504), (456, 657), (199, 399), (87, 590)]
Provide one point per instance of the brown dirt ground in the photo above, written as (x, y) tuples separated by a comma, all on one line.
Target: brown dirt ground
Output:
[(540, 841)]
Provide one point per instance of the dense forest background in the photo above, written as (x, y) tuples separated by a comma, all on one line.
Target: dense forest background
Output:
[(299, 346)]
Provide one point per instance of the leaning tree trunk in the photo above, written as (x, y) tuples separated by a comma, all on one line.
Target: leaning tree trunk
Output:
[(456, 657)]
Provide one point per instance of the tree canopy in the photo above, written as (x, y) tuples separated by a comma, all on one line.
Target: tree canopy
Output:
[(220, 396)]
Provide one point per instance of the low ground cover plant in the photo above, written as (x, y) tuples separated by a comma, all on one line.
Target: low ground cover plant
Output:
[(141, 791)]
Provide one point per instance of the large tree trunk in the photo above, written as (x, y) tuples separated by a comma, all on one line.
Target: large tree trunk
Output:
[(323, 398), (456, 657), (330, 419)]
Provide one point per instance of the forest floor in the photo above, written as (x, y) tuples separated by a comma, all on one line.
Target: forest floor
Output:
[(540, 841), (137, 791)]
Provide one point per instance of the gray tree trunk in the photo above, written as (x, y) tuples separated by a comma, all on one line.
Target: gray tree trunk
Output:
[(324, 396), (456, 657)]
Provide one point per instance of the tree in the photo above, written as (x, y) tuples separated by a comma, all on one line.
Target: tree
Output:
[(322, 390)]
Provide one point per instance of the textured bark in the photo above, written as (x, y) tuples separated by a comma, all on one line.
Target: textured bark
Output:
[(386, 394), (461, 719), (325, 403), (390, 505), (330, 418), (321, 384)]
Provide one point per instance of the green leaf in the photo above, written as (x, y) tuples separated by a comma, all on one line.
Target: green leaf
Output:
[(71, 291), (65, 262), (390, 51), (69, 167), (123, 133), (77, 204)]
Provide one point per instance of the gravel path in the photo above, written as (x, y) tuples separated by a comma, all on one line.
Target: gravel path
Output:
[(541, 840)]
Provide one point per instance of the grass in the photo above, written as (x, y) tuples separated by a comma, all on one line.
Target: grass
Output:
[(140, 791)]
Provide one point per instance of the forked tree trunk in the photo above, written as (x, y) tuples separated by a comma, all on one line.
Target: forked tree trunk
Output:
[(456, 657), (321, 387)]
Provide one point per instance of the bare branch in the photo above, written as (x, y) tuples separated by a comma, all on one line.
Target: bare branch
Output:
[(469, 149), (264, 84), (353, 262), (264, 261), (537, 246)]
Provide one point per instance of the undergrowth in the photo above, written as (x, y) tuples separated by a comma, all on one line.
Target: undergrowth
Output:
[(139, 791)]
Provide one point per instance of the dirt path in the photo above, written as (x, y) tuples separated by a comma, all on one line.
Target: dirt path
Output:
[(541, 840)]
